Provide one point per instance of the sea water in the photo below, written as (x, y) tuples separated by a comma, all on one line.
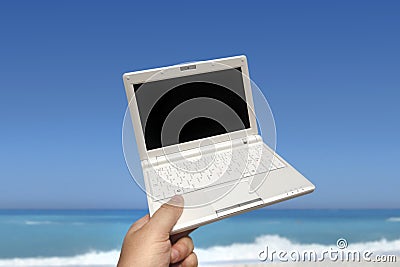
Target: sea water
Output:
[(94, 237)]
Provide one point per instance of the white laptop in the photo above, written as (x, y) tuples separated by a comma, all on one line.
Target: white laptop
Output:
[(197, 136)]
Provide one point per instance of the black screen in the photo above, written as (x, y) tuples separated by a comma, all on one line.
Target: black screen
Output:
[(188, 108)]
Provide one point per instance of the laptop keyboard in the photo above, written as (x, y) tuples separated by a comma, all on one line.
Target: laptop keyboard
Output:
[(209, 170)]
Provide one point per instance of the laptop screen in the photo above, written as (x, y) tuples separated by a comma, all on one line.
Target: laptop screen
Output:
[(189, 108)]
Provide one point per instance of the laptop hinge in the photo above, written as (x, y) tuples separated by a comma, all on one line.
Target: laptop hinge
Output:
[(251, 139), (149, 162), (155, 161)]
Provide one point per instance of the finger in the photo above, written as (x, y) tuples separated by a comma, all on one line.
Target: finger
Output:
[(167, 215), (190, 261), (139, 223), (176, 237), (181, 249)]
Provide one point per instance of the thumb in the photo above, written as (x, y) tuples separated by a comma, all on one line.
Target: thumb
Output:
[(167, 215)]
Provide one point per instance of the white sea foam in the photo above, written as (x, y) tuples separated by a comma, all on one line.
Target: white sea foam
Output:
[(38, 222), (88, 259), (239, 252), (393, 219), (51, 222), (250, 251)]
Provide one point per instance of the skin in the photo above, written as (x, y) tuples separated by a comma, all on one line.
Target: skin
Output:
[(148, 242)]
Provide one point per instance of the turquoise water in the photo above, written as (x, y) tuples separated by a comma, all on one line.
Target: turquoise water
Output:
[(32, 234)]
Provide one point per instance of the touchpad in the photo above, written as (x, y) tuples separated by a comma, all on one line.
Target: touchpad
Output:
[(225, 196)]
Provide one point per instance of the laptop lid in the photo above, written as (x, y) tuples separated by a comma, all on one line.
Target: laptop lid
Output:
[(187, 106)]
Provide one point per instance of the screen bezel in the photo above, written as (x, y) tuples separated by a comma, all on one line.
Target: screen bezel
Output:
[(139, 77)]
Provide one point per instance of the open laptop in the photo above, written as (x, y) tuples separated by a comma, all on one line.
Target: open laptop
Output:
[(196, 133)]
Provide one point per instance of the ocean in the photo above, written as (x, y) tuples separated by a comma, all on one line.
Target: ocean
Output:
[(94, 237)]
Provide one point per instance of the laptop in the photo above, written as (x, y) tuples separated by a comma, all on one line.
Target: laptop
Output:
[(197, 136)]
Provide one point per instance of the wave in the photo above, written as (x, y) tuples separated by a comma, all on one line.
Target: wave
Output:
[(393, 219), (238, 252), (51, 222), (249, 252), (38, 222), (94, 258)]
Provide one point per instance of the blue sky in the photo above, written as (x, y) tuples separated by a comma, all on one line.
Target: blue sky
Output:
[(329, 69)]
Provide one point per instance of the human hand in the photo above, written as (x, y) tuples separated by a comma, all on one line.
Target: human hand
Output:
[(148, 242)]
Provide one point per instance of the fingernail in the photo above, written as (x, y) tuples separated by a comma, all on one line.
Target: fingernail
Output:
[(176, 200), (174, 255)]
